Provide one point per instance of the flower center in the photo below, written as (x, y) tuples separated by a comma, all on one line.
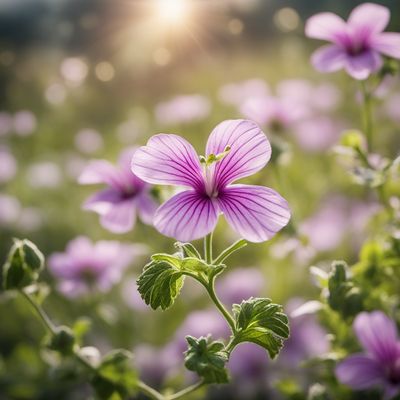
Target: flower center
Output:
[(209, 165), (393, 373)]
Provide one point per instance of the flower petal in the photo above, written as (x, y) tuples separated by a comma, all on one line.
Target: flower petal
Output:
[(168, 160), (100, 171), (250, 150), (146, 207), (387, 43), (186, 216), (325, 26), (360, 372), (328, 58), (378, 335), (254, 212), (369, 17), (102, 201), (362, 65), (120, 217)]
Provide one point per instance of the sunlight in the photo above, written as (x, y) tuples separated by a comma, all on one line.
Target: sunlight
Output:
[(171, 11)]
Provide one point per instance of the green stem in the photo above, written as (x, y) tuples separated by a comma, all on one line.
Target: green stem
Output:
[(40, 312), (231, 249), (149, 391), (367, 114), (186, 391), (210, 287), (208, 248)]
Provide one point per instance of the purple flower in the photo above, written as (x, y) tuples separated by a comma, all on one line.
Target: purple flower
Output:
[(379, 365), (85, 265), (235, 149), (124, 196), (357, 44)]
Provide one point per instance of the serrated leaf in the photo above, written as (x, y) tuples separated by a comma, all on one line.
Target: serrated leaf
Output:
[(115, 376), (260, 321), (207, 359), (160, 282)]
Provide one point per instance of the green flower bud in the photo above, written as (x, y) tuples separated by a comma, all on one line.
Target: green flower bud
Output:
[(62, 341), (23, 265)]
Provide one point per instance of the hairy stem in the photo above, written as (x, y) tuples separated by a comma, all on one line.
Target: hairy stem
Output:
[(231, 249), (184, 392), (367, 114), (149, 391), (208, 248), (228, 317)]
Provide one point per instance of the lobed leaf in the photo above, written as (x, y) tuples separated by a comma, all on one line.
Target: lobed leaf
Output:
[(260, 321), (207, 359)]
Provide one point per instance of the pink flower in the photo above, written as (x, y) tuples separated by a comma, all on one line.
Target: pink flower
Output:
[(379, 364), (124, 196), (86, 266), (235, 149), (357, 45)]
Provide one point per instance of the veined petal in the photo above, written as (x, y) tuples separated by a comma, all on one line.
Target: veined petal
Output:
[(378, 335), (250, 150), (120, 217), (328, 58), (256, 213), (360, 372), (168, 159), (387, 43), (325, 26), (186, 216), (369, 17), (100, 171), (362, 65)]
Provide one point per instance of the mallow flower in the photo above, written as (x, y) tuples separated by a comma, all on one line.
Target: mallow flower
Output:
[(235, 149), (358, 44), (379, 364), (86, 266), (125, 196)]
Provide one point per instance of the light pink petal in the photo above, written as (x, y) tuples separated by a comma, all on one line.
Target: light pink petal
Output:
[(360, 372), (250, 150), (256, 213), (102, 201), (168, 160), (62, 265), (186, 216), (100, 171), (328, 58), (369, 17), (361, 66), (387, 43), (378, 335), (120, 218), (325, 26), (146, 208)]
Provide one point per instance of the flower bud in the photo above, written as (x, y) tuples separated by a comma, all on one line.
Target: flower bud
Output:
[(62, 341), (23, 265)]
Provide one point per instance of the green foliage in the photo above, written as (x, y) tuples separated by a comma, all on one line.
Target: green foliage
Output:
[(344, 296), (62, 341), (207, 358), (317, 392), (115, 377), (262, 322), (188, 250), (23, 265), (162, 279)]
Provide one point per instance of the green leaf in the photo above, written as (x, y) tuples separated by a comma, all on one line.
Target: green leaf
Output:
[(115, 376), (344, 296), (81, 327), (207, 359), (161, 281), (63, 340), (262, 322)]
